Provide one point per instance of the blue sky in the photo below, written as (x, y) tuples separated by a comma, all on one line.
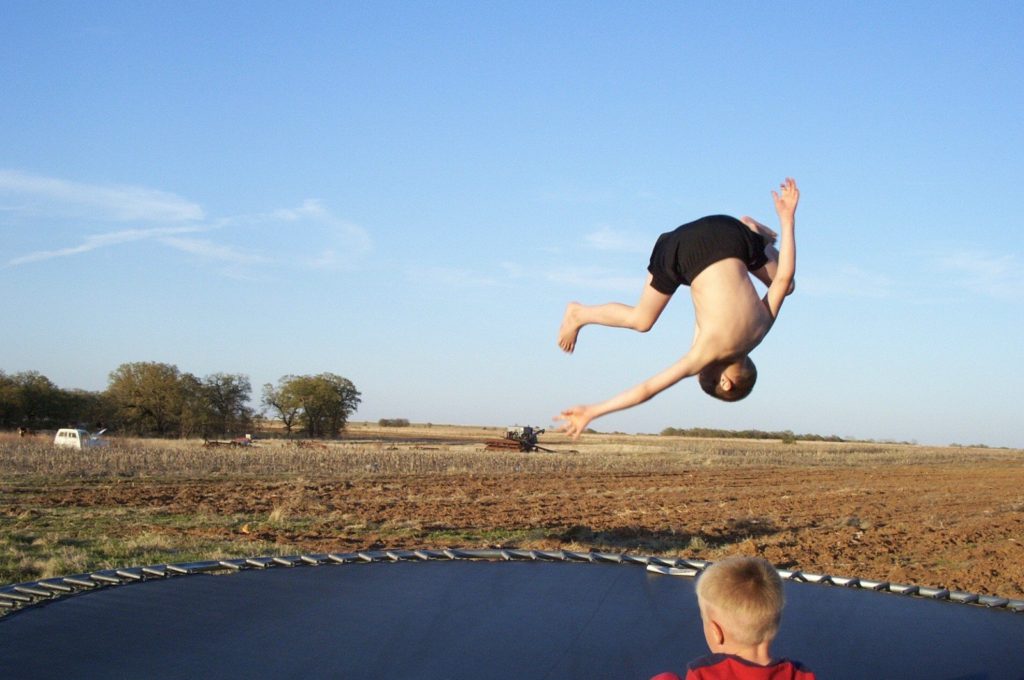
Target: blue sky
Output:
[(407, 194)]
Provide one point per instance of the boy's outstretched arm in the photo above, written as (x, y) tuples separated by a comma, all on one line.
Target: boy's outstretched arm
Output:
[(577, 418), (786, 200)]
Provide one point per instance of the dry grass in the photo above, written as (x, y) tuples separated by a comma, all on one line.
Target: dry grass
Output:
[(150, 501), (451, 451)]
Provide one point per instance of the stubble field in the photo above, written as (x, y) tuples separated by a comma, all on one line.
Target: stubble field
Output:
[(950, 517)]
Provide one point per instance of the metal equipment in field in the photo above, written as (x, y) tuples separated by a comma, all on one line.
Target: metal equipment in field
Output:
[(521, 438)]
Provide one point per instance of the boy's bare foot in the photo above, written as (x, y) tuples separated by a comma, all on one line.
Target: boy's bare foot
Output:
[(570, 327), (767, 234)]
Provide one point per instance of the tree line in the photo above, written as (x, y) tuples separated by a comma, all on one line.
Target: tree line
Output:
[(157, 399), (709, 432)]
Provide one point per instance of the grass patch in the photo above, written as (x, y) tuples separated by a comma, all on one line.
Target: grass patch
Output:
[(476, 537), (49, 542)]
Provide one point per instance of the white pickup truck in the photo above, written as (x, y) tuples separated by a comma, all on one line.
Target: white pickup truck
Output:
[(73, 438)]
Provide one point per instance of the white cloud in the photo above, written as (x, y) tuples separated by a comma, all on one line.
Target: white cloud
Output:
[(51, 196), (327, 259), (596, 278), (973, 271), (449, 277), (578, 278), (344, 240), (212, 251), (307, 236), (309, 208), (96, 241), (608, 239), (514, 270), (997, 276), (846, 281)]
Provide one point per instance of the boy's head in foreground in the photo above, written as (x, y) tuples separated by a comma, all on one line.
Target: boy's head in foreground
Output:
[(740, 601), (729, 380)]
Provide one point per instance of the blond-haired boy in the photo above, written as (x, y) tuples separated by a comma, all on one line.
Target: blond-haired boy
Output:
[(740, 601)]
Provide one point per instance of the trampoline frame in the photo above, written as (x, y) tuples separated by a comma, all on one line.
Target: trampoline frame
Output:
[(19, 596)]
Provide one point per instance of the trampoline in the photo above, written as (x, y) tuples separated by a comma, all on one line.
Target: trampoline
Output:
[(474, 613)]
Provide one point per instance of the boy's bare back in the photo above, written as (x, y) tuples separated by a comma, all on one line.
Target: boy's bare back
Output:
[(731, 318)]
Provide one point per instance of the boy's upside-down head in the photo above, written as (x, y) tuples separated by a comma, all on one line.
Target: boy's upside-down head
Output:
[(729, 380)]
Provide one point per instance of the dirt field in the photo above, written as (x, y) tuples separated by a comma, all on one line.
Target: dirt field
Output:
[(941, 517)]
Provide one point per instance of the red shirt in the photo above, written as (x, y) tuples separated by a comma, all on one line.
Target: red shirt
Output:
[(730, 667)]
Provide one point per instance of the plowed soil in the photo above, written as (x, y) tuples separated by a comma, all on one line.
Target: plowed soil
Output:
[(957, 526)]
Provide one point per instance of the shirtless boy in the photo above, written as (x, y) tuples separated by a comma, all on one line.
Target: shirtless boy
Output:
[(714, 257)]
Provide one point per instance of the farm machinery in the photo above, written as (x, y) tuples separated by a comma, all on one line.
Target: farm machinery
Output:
[(521, 438)]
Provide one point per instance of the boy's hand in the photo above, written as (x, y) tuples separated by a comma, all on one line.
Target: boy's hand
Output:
[(576, 420), (786, 200)]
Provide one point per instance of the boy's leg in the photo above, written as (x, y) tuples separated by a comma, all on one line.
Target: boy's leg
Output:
[(766, 274), (767, 234), (640, 317)]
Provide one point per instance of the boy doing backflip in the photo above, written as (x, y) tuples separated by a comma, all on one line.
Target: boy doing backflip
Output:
[(714, 257)]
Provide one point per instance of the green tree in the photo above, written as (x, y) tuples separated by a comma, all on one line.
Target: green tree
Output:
[(321, 403), (29, 399), (36, 402), (148, 397), (10, 407), (197, 417), (283, 402), (93, 409), (228, 397), (156, 398)]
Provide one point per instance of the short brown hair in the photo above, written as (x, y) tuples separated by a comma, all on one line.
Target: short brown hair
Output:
[(741, 387), (745, 595)]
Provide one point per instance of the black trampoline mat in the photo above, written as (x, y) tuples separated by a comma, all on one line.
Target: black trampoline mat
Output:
[(472, 619)]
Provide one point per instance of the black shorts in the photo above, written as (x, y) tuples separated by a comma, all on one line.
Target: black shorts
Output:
[(680, 255)]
